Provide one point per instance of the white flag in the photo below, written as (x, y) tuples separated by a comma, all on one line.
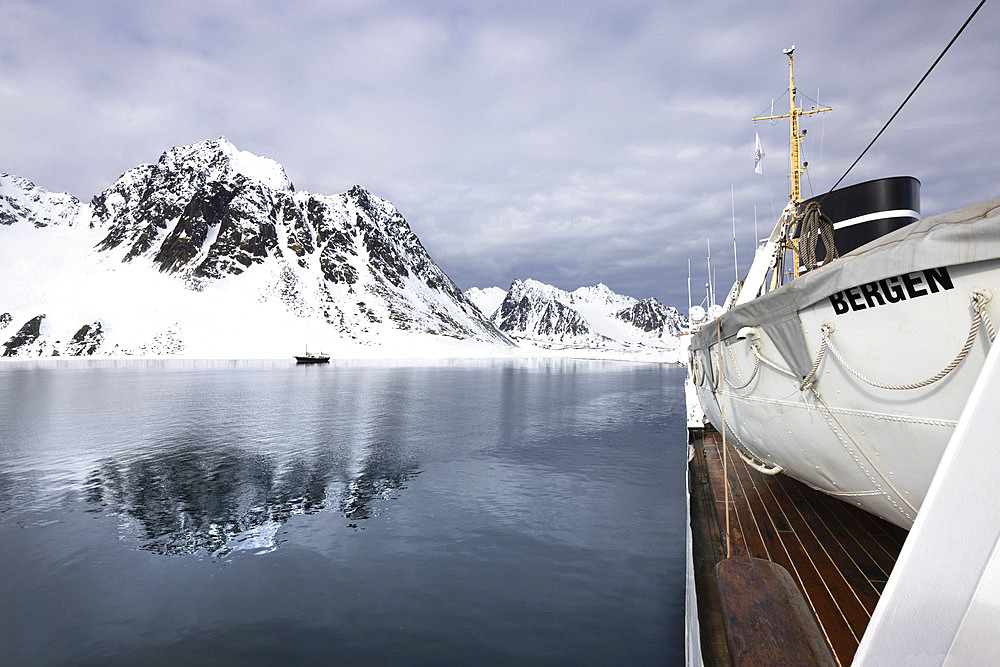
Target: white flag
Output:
[(758, 157)]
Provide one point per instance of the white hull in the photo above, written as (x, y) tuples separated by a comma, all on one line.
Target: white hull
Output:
[(877, 448), (695, 413)]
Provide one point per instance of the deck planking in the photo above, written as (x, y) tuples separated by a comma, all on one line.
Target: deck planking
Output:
[(839, 556)]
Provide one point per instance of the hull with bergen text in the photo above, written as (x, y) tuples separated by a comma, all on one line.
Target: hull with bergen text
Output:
[(837, 378)]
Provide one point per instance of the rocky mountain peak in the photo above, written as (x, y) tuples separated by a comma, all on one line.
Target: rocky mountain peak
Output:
[(651, 315), (595, 292), (537, 290), (590, 317), (362, 198), (219, 160), (532, 310), (209, 212)]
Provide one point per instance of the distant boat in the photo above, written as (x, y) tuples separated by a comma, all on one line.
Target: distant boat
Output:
[(312, 357)]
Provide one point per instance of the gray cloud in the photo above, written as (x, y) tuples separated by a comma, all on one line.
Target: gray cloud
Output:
[(572, 142)]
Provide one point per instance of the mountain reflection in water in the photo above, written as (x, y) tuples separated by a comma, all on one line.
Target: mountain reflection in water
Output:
[(187, 500), (546, 525)]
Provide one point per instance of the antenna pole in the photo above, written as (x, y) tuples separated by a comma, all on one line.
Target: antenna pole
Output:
[(689, 284), (736, 262), (711, 288), (756, 236)]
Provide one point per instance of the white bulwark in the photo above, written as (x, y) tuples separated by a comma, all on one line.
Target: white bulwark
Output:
[(942, 601)]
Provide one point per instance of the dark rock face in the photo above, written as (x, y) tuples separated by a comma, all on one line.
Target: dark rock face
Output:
[(300, 237), (244, 237), (137, 208), (26, 335), (560, 319), (206, 209), (651, 315), (193, 212), (546, 319), (532, 313), (86, 340), (196, 215), (5, 319), (9, 214), (336, 268)]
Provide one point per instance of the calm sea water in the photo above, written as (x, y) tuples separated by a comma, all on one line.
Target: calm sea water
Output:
[(524, 512)]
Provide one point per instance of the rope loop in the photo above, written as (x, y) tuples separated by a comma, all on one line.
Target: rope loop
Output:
[(979, 299), (755, 348), (756, 367), (699, 380)]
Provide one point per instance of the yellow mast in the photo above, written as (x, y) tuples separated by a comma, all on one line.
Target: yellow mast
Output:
[(795, 175), (796, 137)]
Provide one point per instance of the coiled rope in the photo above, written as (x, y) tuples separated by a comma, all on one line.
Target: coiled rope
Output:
[(813, 225)]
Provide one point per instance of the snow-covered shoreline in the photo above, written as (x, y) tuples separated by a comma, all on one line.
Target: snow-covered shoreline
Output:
[(400, 358)]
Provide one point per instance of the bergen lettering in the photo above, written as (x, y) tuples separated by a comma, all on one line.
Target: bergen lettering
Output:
[(891, 290)]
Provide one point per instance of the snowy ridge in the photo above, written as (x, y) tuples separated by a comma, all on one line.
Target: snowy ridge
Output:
[(211, 252), (256, 168), (487, 299), (20, 199), (592, 317)]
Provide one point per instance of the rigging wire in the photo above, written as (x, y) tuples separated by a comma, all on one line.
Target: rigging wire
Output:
[(770, 107), (806, 97), (822, 131), (926, 74)]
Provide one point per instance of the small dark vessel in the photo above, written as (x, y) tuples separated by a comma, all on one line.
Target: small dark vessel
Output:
[(312, 358)]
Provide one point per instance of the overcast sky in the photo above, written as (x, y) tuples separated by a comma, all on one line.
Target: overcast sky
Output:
[(571, 142)]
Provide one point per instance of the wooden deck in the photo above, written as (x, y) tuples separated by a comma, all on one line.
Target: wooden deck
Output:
[(838, 555)]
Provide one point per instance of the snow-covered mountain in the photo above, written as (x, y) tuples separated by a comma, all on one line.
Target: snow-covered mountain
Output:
[(486, 299), (592, 317), (212, 252)]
